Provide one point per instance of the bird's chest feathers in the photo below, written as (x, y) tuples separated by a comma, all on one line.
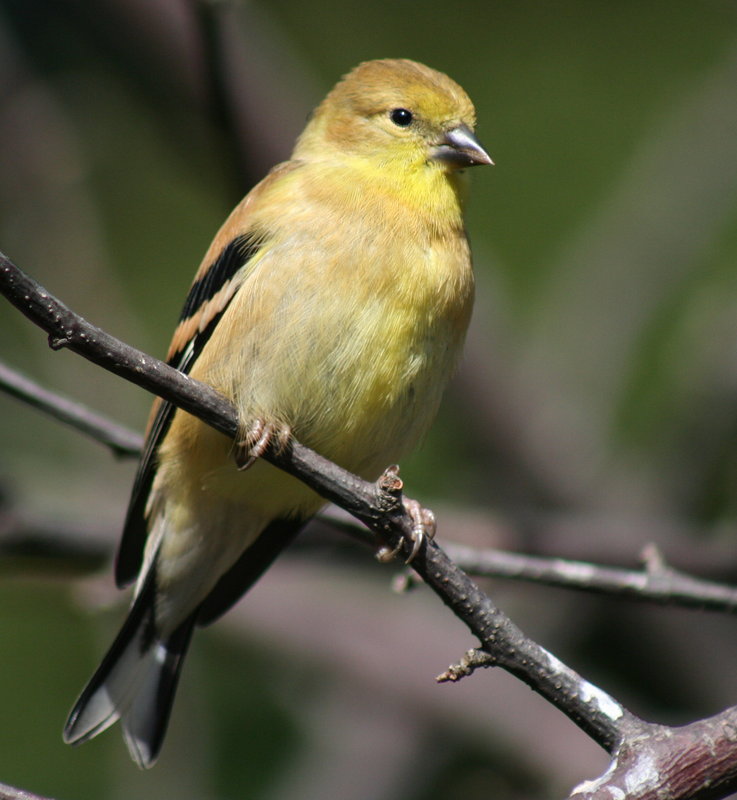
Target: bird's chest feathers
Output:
[(394, 321), (358, 310)]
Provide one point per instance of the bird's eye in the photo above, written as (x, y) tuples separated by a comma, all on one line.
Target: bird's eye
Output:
[(401, 117)]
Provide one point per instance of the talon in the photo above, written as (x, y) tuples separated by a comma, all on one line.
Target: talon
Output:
[(423, 526), (259, 437), (417, 540)]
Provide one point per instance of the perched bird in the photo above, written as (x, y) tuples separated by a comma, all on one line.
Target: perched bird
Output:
[(332, 307)]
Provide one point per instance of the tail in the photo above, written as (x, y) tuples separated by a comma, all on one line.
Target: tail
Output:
[(135, 683)]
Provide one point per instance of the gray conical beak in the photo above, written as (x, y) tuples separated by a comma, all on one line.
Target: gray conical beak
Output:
[(460, 148)]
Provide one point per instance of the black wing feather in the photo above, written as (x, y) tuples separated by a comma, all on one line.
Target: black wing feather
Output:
[(130, 551)]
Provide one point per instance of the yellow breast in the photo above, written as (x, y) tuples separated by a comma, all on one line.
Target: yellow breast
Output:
[(346, 328)]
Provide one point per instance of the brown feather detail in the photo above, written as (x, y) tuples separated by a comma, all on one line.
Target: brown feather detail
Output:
[(239, 225), (189, 328), (195, 329)]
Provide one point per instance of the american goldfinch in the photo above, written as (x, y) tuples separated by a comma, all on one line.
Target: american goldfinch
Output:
[(331, 306)]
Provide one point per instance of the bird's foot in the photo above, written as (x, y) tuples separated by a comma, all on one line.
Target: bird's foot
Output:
[(423, 528), (258, 438)]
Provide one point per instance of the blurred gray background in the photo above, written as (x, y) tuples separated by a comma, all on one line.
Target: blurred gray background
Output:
[(594, 412)]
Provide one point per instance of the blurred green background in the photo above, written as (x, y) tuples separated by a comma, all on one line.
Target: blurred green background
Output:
[(594, 412)]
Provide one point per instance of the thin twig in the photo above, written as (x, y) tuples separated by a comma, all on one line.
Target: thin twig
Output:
[(663, 585), (471, 661), (656, 583), (123, 442)]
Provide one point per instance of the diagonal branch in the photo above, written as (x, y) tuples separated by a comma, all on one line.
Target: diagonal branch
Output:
[(379, 506), (698, 761), (656, 583), (13, 793)]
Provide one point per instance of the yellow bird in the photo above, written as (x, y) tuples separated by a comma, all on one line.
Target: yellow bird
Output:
[(332, 306)]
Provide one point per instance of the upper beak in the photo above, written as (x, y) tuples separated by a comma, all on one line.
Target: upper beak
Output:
[(460, 148)]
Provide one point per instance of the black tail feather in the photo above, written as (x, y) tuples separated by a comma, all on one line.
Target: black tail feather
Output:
[(137, 679), (135, 682), (145, 722)]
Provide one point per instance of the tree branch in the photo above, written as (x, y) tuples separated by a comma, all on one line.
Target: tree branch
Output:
[(657, 582), (13, 793), (123, 442), (692, 762), (380, 507)]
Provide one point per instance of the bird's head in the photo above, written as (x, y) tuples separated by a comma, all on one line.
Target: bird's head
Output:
[(391, 112)]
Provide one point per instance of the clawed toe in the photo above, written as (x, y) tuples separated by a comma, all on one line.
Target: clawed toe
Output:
[(259, 437), (423, 528)]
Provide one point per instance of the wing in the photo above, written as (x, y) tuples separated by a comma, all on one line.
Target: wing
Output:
[(215, 284), (213, 289)]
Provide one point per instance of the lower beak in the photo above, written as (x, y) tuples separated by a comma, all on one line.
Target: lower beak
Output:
[(460, 148)]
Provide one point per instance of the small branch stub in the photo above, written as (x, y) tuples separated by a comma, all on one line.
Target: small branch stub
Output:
[(471, 661), (389, 500), (393, 505), (389, 489)]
